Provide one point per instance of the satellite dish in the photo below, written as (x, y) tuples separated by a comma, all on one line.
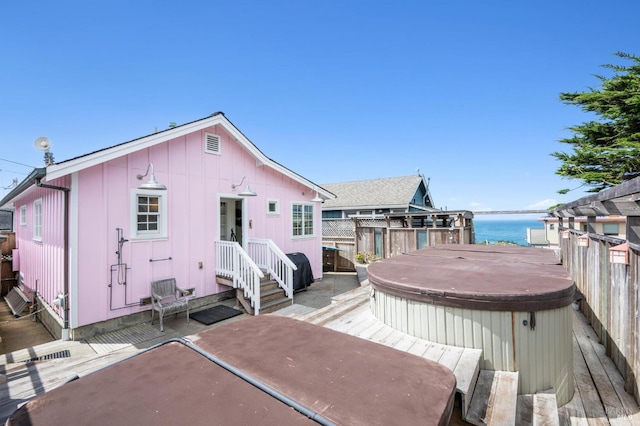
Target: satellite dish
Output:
[(42, 143)]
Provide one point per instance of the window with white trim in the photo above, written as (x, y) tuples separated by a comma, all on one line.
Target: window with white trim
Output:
[(37, 219), (211, 143), (273, 207), (149, 214), (302, 220), (23, 215)]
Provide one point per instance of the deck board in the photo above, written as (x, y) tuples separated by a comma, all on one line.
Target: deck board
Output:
[(600, 385), (606, 391), (360, 322), (586, 406)]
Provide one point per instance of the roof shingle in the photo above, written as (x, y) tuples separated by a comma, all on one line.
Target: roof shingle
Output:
[(393, 191)]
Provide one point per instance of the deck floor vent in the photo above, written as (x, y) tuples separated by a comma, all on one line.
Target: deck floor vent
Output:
[(61, 354)]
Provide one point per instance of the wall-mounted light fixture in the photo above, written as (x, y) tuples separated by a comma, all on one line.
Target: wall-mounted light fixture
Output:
[(153, 183), (317, 198), (583, 240), (619, 254), (247, 191)]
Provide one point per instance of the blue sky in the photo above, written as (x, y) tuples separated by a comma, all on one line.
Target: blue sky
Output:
[(466, 91)]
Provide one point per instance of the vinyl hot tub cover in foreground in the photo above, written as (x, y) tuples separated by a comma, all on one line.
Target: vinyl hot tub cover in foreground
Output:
[(264, 370), (514, 303)]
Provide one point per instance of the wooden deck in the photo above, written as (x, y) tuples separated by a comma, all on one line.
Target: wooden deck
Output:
[(21, 381), (600, 398)]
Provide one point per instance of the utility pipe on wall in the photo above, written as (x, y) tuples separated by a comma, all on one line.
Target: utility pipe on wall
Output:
[(65, 233)]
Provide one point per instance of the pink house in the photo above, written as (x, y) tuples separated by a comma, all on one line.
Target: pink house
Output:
[(198, 202)]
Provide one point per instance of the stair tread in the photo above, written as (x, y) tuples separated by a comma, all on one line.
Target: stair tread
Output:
[(494, 399), (538, 409), (275, 302)]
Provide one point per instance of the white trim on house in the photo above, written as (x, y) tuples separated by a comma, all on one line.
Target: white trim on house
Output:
[(313, 219), (37, 220), (161, 233), (276, 205), (211, 143), (73, 251), (23, 215), (64, 168)]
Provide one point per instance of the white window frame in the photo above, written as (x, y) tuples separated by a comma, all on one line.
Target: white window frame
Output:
[(206, 143), (23, 215), (304, 206), (276, 202), (37, 220), (161, 232)]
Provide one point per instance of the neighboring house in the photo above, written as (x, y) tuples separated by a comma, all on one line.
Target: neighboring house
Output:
[(613, 226), (375, 197), (91, 236), (380, 218), (6, 220)]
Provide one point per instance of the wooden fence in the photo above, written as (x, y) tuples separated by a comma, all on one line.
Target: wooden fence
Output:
[(338, 238), (379, 238), (611, 303)]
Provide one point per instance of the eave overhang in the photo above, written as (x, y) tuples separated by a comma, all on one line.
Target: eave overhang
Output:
[(77, 164), (35, 176)]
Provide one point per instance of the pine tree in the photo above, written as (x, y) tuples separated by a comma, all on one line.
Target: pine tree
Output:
[(606, 151)]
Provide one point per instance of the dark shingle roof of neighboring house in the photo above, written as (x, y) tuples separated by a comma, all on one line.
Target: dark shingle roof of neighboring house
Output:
[(382, 192)]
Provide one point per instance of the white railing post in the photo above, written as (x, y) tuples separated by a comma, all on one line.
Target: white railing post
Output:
[(269, 257), (233, 262)]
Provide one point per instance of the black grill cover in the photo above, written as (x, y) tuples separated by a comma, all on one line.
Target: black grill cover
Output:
[(303, 276)]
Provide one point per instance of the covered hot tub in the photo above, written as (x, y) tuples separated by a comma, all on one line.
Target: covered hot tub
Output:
[(514, 303)]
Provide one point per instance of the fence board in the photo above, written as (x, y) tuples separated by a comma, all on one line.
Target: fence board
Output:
[(610, 300)]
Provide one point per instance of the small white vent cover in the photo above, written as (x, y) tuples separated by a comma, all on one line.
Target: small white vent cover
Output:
[(211, 143)]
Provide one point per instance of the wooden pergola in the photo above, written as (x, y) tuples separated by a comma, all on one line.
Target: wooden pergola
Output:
[(620, 200)]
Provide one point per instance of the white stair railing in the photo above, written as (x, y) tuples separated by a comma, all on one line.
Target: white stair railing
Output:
[(234, 263), (268, 256)]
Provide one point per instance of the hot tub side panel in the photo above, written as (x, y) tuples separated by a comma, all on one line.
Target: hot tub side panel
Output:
[(543, 355)]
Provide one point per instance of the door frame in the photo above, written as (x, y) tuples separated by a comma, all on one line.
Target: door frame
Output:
[(244, 216)]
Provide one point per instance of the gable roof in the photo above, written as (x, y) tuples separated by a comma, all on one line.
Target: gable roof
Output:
[(374, 193), (85, 161)]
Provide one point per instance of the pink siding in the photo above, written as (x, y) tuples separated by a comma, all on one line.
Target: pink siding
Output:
[(42, 262), (194, 181)]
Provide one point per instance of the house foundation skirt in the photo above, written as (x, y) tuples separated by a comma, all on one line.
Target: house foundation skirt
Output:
[(538, 345)]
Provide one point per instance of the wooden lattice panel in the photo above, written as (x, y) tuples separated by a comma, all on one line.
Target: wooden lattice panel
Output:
[(338, 228), (371, 223)]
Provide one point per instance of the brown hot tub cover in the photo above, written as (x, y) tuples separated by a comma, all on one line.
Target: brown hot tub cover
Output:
[(344, 379), (480, 277)]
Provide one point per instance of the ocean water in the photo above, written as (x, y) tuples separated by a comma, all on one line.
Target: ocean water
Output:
[(512, 230)]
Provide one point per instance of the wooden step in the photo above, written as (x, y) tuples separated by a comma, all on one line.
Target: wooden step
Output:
[(224, 281), (540, 409), (495, 399), (295, 311), (336, 310), (275, 305), (270, 294), (269, 284), (359, 321)]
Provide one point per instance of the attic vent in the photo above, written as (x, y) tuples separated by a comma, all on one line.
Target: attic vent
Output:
[(211, 143)]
